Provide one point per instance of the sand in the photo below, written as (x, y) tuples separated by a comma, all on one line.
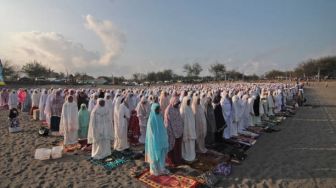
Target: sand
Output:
[(302, 154)]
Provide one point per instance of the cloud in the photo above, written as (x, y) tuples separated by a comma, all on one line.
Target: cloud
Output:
[(110, 36), (62, 54)]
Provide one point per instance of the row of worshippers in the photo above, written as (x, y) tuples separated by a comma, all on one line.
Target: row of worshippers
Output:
[(190, 118), (186, 126)]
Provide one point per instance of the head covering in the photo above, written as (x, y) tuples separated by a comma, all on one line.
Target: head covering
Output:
[(156, 136)]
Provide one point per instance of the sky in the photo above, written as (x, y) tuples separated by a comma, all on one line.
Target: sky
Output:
[(121, 37)]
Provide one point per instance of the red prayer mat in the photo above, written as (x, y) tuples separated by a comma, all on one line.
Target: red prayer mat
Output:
[(167, 181)]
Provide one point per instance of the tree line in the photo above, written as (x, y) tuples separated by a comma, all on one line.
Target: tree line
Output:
[(323, 67), (320, 68)]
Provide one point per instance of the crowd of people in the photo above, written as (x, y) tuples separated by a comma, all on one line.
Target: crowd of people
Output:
[(173, 122)]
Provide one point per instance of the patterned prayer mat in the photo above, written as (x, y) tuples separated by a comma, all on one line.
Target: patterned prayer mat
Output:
[(116, 159), (208, 161), (167, 181)]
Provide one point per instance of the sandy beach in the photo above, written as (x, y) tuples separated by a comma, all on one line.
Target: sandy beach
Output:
[(302, 154)]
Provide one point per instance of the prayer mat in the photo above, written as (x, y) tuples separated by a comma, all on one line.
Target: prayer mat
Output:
[(236, 155), (167, 181), (71, 148), (207, 161), (244, 140), (116, 159), (257, 130)]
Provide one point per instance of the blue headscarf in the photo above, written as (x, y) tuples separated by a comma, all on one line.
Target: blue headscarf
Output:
[(156, 136)]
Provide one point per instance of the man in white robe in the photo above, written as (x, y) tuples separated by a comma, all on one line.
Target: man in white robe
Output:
[(121, 139), (69, 121), (99, 134), (189, 132)]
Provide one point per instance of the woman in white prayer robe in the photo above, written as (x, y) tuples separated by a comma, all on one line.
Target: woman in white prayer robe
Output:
[(270, 104), (277, 101), (116, 112), (163, 101), (69, 121), (92, 102), (250, 102), (189, 131), (47, 109), (13, 101), (245, 109), (236, 116), (42, 104), (121, 139), (200, 124), (110, 107), (143, 112), (99, 134), (226, 104), (35, 99)]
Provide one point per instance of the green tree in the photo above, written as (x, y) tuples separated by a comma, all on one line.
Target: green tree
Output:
[(274, 74), (218, 70), (193, 70), (10, 71), (35, 69)]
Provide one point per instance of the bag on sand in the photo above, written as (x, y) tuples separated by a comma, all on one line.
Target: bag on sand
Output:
[(42, 154), (56, 152)]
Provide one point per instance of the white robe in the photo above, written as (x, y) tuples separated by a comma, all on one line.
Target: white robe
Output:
[(116, 114), (227, 114), (99, 134), (200, 126), (236, 116), (244, 120), (270, 104), (69, 123), (250, 119), (13, 101), (121, 139), (47, 109), (189, 132), (35, 99), (42, 104), (109, 105), (143, 114)]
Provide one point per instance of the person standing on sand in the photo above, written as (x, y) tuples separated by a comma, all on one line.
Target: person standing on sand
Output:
[(200, 124), (83, 120), (143, 111), (27, 102), (121, 129), (13, 100), (56, 111), (156, 146), (174, 124), (35, 98), (69, 121), (211, 121), (42, 104), (189, 132), (220, 122), (99, 134)]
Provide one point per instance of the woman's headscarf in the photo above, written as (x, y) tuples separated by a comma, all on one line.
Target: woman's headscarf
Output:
[(156, 136)]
